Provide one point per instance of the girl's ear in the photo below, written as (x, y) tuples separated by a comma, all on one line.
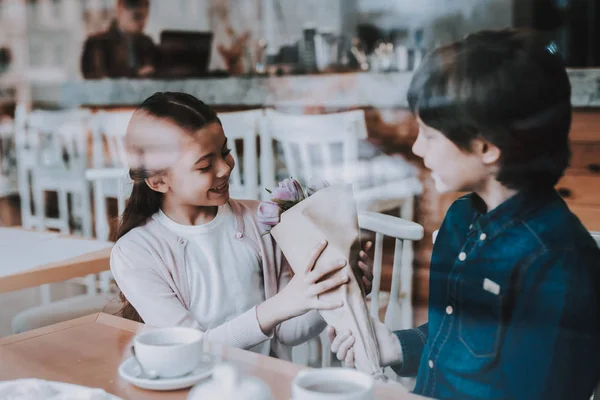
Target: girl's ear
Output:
[(157, 183), (489, 152)]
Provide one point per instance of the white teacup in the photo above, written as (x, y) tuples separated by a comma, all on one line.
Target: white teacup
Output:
[(333, 384), (169, 352)]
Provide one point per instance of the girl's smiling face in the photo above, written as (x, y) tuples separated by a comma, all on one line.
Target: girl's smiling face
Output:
[(200, 176), (193, 167)]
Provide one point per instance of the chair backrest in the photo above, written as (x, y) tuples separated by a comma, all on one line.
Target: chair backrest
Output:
[(313, 146), (242, 128), (108, 183), (46, 139), (55, 139), (109, 128), (397, 316)]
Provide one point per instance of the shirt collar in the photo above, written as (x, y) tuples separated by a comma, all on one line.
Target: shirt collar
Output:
[(508, 213)]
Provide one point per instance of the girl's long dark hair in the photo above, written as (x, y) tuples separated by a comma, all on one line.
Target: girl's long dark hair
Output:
[(187, 112)]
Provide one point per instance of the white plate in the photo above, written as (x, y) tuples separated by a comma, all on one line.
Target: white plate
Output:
[(130, 371), (38, 389)]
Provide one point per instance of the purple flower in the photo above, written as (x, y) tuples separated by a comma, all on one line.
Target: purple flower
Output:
[(288, 190), (268, 213)]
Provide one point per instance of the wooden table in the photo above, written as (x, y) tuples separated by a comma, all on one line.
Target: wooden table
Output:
[(88, 351), (31, 258)]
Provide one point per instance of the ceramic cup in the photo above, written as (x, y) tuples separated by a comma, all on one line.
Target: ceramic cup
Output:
[(333, 384), (169, 352)]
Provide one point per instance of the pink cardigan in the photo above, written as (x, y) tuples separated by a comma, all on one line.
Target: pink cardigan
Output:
[(148, 265)]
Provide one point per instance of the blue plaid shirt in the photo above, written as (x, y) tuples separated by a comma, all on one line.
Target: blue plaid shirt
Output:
[(513, 307)]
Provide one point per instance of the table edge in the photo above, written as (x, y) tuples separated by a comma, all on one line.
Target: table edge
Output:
[(89, 263), (46, 330)]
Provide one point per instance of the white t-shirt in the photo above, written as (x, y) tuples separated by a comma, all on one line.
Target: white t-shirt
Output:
[(225, 275)]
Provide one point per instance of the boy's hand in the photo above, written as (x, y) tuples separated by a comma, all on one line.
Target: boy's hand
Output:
[(389, 345), (366, 266)]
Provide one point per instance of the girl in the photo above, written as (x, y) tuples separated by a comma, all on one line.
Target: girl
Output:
[(188, 255)]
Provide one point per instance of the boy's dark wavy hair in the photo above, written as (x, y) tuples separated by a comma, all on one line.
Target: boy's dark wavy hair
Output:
[(508, 87)]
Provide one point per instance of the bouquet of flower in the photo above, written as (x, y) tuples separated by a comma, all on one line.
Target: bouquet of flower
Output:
[(298, 219), (288, 193)]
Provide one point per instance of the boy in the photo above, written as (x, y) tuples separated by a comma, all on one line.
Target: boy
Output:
[(514, 283)]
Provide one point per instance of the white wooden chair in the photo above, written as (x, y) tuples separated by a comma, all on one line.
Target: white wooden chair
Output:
[(326, 146), (51, 148), (399, 311), (313, 146), (52, 153), (109, 128), (243, 126), (119, 186), (109, 160)]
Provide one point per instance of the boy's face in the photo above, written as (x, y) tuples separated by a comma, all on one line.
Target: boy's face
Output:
[(453, 169)]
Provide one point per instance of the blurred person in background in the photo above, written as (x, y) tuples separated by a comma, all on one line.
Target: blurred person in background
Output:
[(124, 51)]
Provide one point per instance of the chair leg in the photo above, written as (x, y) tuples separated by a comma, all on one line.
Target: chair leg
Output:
[(45, 295), (63, 210), (27, 216), (86, 213), (406, 283), (90, 284), (105, 279), (39, 209), (99, 211)]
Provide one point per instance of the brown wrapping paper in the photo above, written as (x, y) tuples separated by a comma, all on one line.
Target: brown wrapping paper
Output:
[(331, 214)]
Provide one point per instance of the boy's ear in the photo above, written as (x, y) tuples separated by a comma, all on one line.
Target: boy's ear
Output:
[(157, 183), (489, 152)]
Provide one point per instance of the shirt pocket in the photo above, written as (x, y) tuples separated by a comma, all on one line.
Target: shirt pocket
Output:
[(480, 318)]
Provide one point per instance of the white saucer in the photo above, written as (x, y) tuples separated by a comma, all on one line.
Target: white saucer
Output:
[(130, 371)]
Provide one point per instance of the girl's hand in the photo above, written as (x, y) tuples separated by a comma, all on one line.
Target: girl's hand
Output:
[(366, 266), (301, 294)]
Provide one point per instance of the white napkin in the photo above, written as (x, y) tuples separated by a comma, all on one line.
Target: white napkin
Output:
[(38, 389)]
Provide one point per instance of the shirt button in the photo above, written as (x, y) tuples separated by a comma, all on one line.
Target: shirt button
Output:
[(462, 256), (482, 237), (430, 363), (449, 310), (239, 235)]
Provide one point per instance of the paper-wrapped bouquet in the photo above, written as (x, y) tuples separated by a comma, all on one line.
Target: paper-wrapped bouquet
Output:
[(300, 218)]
